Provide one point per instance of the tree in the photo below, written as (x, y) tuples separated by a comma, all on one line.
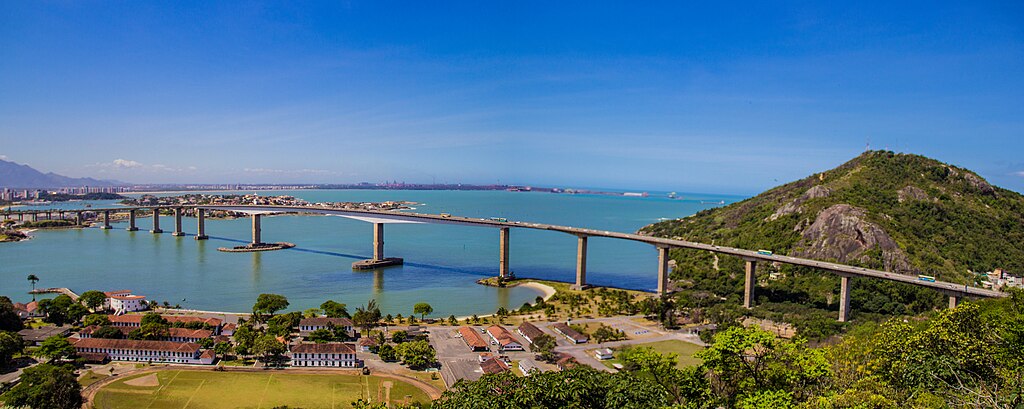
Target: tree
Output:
[(96, 319), (269, 347), (245, 338), (417, 354), (56, 309), (335, 309), (312, 313), (281, 325), (93, 299), (33, 279), (10, 344), (154, 318), (152, 331), (46, 386), (387, 353), (606, 333), (321, 336), (367, 317), (107, 332), (452, 320), (9, 319), (56, 347), (75, 312), (222, 349), (544, 345), (422, 309), (580, 387), (399, 337), (268, 304)]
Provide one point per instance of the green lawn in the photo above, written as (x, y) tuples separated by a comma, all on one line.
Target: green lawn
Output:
[(684, 352), (202, 389)]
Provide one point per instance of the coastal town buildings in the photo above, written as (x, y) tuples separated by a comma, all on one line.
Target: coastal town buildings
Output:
[(472, 339), (493, 366), (307, 325), (566, 331), (123, 301), (135, 320), (331, 354), (26, 311), (145, 351), (999, 279), (529, 331), (505, 340)]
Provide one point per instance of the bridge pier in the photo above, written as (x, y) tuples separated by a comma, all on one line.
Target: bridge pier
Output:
[(177, 223), (256, 230), (78, 218), (844, 298), (749, 282), (106, 220), (378, 259), (131, 221), (49, 215), (201, 215), (954, 300), (503, 270), (663, 270), (156, 222), (581, 264), (35, 217)]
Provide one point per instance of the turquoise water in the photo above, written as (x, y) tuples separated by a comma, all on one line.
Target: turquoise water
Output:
[(442, 261)]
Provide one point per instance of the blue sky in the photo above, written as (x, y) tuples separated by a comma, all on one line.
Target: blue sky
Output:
[(689, 97)]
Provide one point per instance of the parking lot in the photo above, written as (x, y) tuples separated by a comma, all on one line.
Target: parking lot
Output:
[(458, 362)]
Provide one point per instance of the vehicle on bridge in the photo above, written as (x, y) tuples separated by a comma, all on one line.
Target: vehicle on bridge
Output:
[(499, 219), (923, 277), (764, 252)]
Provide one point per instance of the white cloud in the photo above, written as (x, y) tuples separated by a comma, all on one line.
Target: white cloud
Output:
[(125, 164), (1021, 173), (3, 157)]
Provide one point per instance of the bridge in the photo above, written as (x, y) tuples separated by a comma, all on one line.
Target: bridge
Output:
[(379, 218)]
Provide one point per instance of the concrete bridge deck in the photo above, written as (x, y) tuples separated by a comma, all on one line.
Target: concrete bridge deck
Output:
[(751, 256)]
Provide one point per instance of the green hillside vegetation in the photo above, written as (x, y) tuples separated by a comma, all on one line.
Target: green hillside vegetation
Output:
[(896, 212)]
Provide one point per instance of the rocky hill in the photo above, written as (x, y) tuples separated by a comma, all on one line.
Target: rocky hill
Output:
[(898, 212)]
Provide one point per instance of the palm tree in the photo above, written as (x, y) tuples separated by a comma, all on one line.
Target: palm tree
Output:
[(32, 278)]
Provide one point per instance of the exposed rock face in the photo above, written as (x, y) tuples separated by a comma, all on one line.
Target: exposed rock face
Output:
[(912, 193), (795, 206), (841, 233)]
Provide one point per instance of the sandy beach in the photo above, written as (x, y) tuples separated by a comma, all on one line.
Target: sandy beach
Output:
[(548, 290)]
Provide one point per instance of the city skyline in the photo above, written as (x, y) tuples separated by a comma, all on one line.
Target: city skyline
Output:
[(660, 97)]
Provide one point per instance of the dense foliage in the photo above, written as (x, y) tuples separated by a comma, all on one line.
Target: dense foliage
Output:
[(942, 220), (969, 356), (46, 386)]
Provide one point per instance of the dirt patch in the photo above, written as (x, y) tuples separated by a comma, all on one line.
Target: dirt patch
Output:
[(147, 381)]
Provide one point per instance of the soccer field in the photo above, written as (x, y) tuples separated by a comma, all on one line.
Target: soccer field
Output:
[(208, 389)]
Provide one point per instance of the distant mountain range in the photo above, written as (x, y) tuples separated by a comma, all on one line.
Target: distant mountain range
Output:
[(14, 175)]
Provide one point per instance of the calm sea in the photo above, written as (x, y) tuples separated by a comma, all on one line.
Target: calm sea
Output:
[(442, 261)]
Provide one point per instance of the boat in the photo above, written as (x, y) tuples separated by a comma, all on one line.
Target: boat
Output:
[(672, 195), (635, 194)]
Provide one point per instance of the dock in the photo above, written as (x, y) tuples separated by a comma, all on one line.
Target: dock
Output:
[(61, 290)]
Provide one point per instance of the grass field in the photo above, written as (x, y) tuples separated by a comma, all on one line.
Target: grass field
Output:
[(208, 389), (684, 352)]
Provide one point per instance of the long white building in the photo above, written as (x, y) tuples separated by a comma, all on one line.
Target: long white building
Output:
[(146, 351), (332, 354)]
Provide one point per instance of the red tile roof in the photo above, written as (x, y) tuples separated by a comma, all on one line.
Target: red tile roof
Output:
[(472, 338), (327, 348), (501, 335), (325, 322), (570, 333), (137, 319), (165, 346), (367, 342), (530, 331), (493, 366)]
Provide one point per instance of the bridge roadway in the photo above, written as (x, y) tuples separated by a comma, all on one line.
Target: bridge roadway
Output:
[(751, 257)]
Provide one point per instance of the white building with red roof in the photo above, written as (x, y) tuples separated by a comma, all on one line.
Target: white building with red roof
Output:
[(331, 354), (123, 301), (145, 351)]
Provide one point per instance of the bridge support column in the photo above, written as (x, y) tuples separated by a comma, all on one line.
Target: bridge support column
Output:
[(581, 264), (378, 241), (78, 218), (49, 215), (844, 298), (131, 221), (749, 281), (35, 217), (378, 259), (257, 231), (663, 270), (106, 220), (201, 215), (177, 223), (954, 300), (503, 271), (60, 215), (156, 222)]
